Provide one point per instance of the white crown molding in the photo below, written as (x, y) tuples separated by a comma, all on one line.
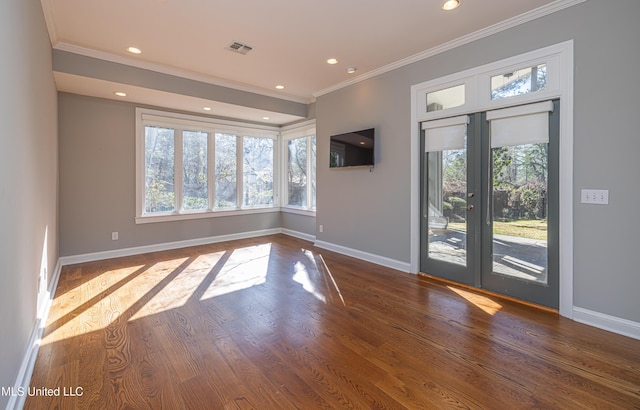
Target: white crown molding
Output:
[(297, 125), (476, 35), (145, 65)]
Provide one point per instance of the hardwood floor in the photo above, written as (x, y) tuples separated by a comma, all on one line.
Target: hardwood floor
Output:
[(275, 323)]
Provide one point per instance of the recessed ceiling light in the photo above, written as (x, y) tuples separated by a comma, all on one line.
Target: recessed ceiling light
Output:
[(134, 50), (266, 118), (332, 61), (206, 108), (120, 94), (280, 87), (450, 5), (351, 70), (362, 142)]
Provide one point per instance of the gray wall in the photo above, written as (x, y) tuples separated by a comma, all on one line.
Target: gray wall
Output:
[(359, 208), (97, 184), (298, 223), (370, 211), (28, 176)]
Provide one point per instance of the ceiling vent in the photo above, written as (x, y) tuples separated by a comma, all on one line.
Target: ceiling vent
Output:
[(239, 48)]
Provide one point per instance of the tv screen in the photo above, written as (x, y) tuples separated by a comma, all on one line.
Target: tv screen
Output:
[(352, 149)]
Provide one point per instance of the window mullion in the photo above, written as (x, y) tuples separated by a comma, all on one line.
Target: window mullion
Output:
[(178, 169), (284, 172), (309, 174), (277, 171), (239, 172), (211, 169)]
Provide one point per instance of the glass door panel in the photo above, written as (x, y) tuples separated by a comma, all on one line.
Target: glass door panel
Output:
[(519, 190), (447, 206), (520, 239), (449, 244)]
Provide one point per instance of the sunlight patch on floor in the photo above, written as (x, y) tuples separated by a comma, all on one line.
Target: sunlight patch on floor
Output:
[(302, 277), (484, 303), (181, 288), (322, 268), (136, 291), (100, 301), (245, 268)]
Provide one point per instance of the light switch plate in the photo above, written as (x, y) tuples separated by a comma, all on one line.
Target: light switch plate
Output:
[(595, 196)]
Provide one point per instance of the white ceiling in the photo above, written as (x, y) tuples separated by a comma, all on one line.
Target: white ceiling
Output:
[(292, 39)]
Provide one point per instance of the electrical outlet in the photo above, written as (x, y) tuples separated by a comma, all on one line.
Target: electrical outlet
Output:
[(321, 228), (114, 236), (595, 196)]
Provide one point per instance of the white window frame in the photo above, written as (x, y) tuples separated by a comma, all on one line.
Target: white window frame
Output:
[(559, 61), (307, 130), (184, 122), (421, 91)]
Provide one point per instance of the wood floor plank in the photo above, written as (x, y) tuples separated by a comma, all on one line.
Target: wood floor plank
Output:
[(280, 370), (276, 323)]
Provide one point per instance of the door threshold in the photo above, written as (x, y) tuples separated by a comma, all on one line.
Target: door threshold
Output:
[(488, 293)]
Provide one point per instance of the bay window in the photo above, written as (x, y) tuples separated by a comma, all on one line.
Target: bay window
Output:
[(192, 167)]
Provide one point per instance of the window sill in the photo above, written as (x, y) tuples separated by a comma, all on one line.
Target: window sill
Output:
[(298, 211), (145, 219)]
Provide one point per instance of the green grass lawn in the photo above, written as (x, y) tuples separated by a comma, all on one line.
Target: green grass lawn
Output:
[(525, 228)]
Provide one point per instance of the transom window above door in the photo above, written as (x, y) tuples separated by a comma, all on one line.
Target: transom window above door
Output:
[(531, 77)]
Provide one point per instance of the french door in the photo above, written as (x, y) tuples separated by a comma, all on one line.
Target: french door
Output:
[(489, 201)]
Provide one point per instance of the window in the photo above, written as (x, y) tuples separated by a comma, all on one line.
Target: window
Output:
[(188, 167), (299, 146), (226, 167), (518, 82), (297, 172), (530, 77), (257, 171), (195, 184), (159, 170), (444, 99)]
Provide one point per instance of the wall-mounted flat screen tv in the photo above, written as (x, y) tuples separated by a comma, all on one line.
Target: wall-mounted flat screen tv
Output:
[(352, 149)]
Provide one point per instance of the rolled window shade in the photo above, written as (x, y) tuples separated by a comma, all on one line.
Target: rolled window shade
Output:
[(527, 124), (446, 134)]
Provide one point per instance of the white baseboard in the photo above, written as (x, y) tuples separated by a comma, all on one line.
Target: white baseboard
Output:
[(29, 360), (607, 322), (365, 256), (118, 253), (299, 235)]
